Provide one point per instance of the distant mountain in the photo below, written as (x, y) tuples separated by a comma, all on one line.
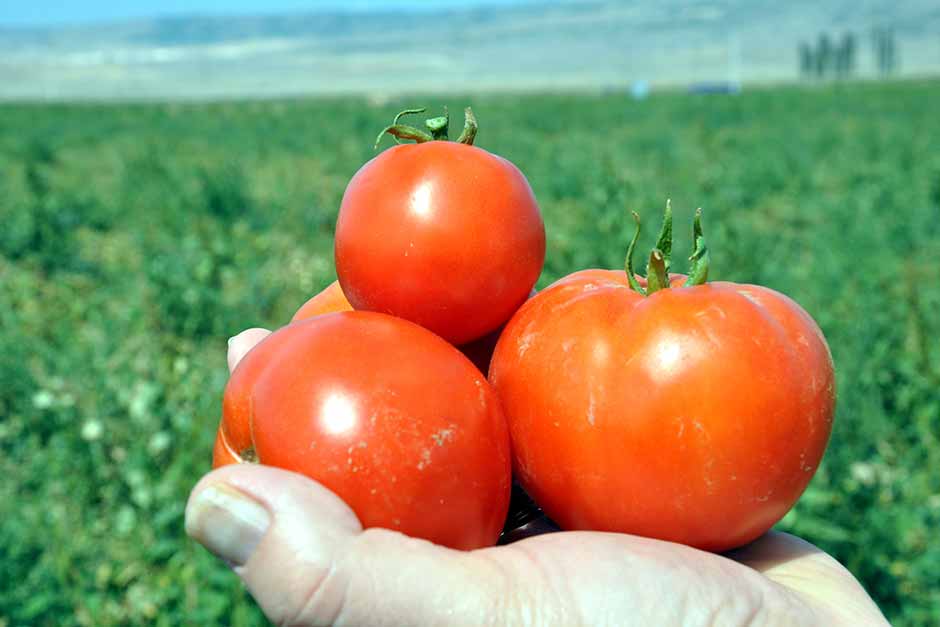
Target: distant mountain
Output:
[(559, 45)]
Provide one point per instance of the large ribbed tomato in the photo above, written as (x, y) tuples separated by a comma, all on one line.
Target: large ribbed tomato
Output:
[(441, 233), (389, 416), (696, 414)]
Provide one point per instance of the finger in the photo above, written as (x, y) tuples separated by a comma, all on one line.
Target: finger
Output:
[(811, 573), (305, 559), (239, 345)]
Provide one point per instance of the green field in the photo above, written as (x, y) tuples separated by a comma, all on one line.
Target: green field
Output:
[(134, 240)]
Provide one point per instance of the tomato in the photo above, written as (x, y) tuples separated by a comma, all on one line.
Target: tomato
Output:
[(389, 416), (441, 233), (696, 414), (222, 455), (332, 299)]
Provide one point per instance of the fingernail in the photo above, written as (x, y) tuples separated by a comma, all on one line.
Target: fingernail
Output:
[(227, 522)]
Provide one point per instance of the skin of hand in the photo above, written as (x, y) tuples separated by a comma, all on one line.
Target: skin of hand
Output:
[(306, 560)]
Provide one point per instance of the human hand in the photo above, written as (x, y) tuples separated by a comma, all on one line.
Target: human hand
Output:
[(307, 561)]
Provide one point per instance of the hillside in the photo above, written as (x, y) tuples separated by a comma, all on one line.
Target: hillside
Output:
[(558, 45)]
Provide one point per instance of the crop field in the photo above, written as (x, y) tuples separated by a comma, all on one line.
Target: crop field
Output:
[(135, 239)]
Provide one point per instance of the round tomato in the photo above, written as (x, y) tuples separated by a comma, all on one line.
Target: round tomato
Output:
[(332, 300), (441, 233), (694, 412), (389, 416)]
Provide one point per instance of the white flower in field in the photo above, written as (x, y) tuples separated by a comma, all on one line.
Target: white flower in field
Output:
[(159, 442), (43, 399), (92, 430), (864, 472), (180, 365), (141, 398)]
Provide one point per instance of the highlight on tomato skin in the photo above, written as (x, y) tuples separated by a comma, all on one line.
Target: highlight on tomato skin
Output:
[(431, 461), (695, 414), (222, 455)]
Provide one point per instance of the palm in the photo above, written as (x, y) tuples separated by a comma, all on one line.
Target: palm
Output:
[(604, 577)]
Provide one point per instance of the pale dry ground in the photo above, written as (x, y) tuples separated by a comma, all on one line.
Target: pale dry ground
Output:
[(576, 46)]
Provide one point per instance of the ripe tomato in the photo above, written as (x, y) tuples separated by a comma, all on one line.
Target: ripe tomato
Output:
[(696, 414), (441, 233), (332, 299), (384, 413)]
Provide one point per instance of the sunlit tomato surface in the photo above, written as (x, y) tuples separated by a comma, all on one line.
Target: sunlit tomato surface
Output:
[(440, 233), (332, 299), (386, 414), (695, 414)]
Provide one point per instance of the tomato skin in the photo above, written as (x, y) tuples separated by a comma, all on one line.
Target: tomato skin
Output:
[(443, 234), (330, 300), (347, 399), (696, 415), (222, 455)]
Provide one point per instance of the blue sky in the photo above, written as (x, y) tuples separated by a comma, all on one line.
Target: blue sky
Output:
[(40, 12)]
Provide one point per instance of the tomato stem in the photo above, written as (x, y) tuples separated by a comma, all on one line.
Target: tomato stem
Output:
[(657, 278), (698, 273), (657, 269), (437, 128), (631, 277), (470, 127), (403, 131), (664, 243)]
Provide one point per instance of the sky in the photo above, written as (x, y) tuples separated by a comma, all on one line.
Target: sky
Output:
[(49, 12)]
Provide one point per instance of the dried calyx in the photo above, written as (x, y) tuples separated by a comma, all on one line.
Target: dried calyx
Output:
[(436, 128)]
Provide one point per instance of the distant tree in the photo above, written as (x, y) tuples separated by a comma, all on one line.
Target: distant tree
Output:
[(806, 60), (878, 45), (824, 56), (851, 45), (891, 55), (885, 51), (845, 65)]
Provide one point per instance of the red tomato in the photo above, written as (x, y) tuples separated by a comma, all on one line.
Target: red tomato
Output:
[(330, 300), (441, 233), (695, 414), (222, 455), (384, 413)]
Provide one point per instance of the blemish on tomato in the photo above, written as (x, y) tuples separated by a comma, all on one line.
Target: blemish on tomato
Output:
[(444, 435), (249, 455), (425, 459)]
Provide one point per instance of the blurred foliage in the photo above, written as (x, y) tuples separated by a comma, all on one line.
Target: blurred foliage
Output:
[(134, 239)]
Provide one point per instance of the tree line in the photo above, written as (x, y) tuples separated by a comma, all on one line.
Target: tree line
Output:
[(831, 57)]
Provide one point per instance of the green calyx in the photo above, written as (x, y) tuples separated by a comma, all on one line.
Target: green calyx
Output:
[(436, 128), (657, 269)]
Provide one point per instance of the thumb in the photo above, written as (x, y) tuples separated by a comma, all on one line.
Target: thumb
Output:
[(304, 557)]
